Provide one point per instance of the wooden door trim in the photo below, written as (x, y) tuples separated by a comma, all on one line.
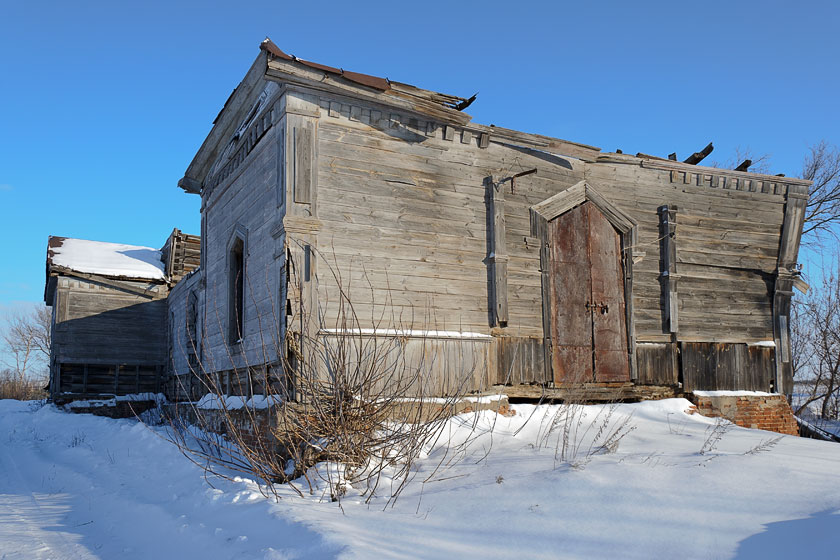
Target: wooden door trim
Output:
[(560, 203)]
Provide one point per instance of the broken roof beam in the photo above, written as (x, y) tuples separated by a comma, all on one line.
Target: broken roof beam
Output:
[(744, 165), (697, 157)]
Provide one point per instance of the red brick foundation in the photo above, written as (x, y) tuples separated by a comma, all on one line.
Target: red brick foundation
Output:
[(760, 411)]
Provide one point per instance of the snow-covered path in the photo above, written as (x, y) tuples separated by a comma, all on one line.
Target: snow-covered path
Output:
[(34, 515), (82, 487)]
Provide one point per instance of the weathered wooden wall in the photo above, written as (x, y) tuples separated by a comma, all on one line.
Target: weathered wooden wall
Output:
[(404, 215), (243, 199), (185, 336), (727, 242), (714, 366), (422, 224), (402, 220), (106, 339)]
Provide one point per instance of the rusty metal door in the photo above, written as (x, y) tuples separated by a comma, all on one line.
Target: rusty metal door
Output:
[(586, 280)]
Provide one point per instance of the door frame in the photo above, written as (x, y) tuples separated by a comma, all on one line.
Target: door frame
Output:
[(554, 206)]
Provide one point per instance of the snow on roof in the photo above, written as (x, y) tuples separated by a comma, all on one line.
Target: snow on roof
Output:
[(108, 259)]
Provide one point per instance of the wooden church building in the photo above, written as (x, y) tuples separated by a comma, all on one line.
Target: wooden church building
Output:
[(542, 261)]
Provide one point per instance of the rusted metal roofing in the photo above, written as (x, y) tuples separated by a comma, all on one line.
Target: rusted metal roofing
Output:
[(375, 82)]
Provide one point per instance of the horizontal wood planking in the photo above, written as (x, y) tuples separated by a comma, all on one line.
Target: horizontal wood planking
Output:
[(417, 366), (248, 201), (95, 324), (418, 190)]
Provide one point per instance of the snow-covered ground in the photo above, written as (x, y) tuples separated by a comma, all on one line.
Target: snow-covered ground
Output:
[(78, 486)]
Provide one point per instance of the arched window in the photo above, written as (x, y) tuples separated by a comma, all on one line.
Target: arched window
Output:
[(236, 284), (192, 331)]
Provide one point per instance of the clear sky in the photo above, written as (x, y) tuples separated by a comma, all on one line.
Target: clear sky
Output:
[(104, 104)]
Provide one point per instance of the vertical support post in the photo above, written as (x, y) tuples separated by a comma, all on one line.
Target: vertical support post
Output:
[(85, 381), (668, 276), (300, 216), (116, 377), (303, 175), (280, 140), (299, 153), (539, 229), (786, 272), (628, 244), (498, 257), (55, 383)]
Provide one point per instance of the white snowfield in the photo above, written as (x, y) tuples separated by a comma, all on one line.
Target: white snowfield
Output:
[(109, 259), (84, 487)]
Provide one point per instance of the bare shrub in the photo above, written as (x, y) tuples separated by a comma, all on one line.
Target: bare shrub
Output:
[(714, 434), (763, 446), (577, 430), (350, 394), (23, 388)]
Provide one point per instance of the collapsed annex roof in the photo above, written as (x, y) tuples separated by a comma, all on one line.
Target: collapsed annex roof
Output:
[(115, 260)]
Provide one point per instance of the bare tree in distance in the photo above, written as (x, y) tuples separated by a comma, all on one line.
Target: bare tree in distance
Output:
[(822, 166), (25, 352), (760, 162), (816, 348)]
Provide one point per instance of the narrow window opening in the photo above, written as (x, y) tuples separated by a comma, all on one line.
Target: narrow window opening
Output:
[(237, 291)]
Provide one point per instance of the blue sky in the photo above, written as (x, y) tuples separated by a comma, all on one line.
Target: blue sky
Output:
[(103, 104)]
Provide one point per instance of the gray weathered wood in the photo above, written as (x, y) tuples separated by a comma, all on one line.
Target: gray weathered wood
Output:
[(303, 171), (669, 276), (498, 256)]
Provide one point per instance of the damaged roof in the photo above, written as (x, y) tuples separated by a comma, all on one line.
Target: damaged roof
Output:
[(373, 82), (115, 260)]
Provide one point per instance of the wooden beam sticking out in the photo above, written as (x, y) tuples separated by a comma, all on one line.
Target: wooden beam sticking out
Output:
[(744, 165), (498, 257), (668, 276), (697, 157), (672, 156)]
